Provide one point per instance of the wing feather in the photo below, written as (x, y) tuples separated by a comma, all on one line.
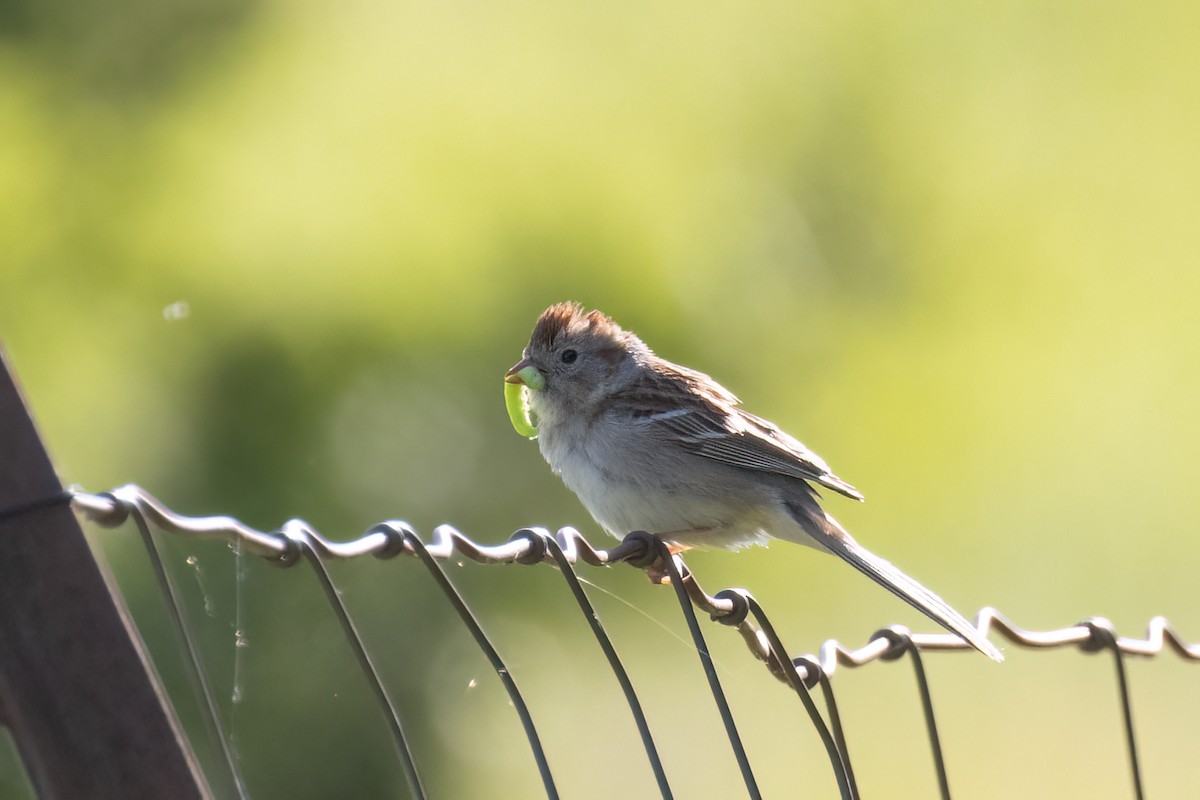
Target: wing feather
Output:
[(703, 417)]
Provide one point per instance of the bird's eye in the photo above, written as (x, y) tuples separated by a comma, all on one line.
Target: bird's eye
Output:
[(569, 356)]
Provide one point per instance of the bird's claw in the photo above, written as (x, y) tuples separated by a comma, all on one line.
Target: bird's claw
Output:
[(658, 575)]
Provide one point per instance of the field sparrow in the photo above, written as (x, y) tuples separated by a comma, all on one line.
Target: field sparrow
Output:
[(650, 445)]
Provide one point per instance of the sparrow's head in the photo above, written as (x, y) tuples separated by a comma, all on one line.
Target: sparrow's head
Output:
[(574, 357)]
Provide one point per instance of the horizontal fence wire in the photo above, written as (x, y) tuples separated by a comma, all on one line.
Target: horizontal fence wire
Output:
[(297, 541)]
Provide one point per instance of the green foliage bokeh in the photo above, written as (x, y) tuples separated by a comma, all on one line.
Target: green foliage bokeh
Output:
[(271, 259)]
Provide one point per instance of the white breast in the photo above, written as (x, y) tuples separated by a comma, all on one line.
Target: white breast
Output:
[(629, 483)]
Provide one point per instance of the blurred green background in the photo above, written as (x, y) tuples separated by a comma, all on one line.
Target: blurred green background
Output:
[(271, 259)]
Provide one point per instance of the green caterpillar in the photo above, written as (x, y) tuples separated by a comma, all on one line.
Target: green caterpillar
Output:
[(517, 402)]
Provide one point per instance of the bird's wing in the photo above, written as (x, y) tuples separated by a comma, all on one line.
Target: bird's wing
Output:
[(709, 424)]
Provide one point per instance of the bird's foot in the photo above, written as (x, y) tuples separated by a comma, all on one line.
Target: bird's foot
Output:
[(657, 572)]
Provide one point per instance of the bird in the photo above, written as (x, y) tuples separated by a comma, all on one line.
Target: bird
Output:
[(648, 445)]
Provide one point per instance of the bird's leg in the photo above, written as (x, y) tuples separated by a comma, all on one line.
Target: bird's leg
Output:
[(657, 572)]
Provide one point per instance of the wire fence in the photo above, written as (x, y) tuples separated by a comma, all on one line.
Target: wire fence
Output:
[(297, 542)]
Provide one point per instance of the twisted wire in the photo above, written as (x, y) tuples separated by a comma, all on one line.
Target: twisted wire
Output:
[(296, 540), (111, 509)]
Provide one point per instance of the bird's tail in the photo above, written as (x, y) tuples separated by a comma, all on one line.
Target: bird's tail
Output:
[(834, 538)]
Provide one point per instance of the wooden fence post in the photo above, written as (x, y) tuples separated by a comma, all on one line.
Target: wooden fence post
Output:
[(76, 688)]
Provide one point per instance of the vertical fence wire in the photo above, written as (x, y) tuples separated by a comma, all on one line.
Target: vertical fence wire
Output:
[(835, 724), (1104, 637), (614, 661), (710, 671), (902, 644), (485, 644), (935, 741), (837, 758), (194, 664), (408, 764)]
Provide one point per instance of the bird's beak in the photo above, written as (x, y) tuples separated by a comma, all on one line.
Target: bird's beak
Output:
[(524, 372)]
